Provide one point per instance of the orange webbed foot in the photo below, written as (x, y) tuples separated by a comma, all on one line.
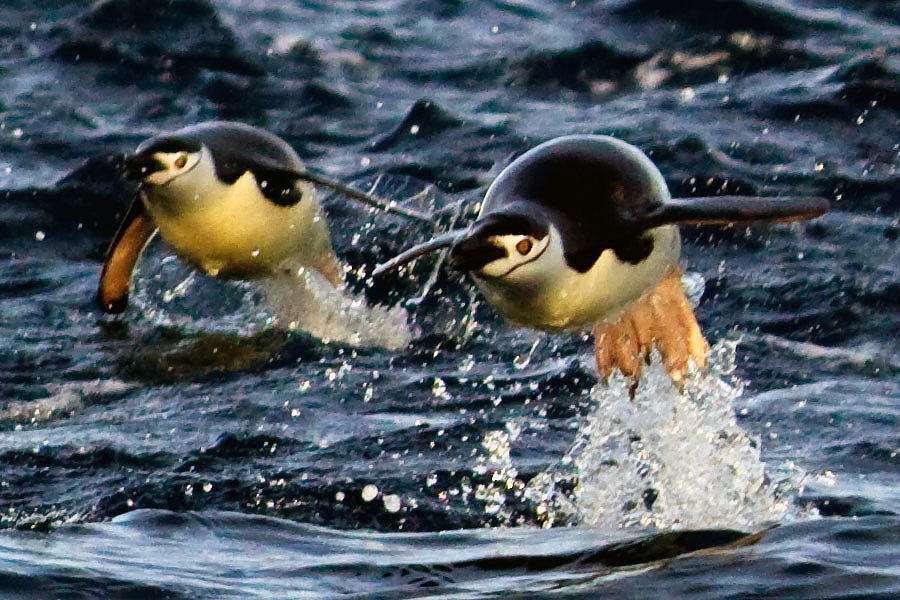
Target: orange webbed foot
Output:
[(663, 317)]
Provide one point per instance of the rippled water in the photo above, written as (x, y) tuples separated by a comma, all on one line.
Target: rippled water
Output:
[(194, 449)]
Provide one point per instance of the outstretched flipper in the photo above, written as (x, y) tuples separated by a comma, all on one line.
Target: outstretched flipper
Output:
[(704, 210), (444, 240), (663, 318), (370, 199), (134, 233), (272, 168), (711, 210)]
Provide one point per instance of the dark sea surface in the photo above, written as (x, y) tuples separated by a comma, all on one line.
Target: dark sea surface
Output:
[(194, 449)]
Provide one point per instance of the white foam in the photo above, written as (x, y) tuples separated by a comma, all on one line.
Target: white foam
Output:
[(307, 301), (169, 293), (667, 459), (62, 400)]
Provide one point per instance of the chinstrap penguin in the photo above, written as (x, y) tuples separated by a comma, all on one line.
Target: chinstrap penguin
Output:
[(233, 200), (581, 231)]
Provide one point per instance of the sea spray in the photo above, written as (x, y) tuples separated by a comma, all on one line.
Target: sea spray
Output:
[(167, 293), (666, 458), (306, 301)]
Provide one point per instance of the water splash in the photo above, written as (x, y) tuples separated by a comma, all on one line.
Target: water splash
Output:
[(168, 293), (503, 483), (308, 302), (666, 458)]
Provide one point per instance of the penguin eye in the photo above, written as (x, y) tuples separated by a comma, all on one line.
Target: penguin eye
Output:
[(524, 246), (181, 161)]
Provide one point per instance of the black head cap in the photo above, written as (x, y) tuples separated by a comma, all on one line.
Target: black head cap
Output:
[(143, 163), (235, 147), (474, 250), (594, 189), (168, 144)]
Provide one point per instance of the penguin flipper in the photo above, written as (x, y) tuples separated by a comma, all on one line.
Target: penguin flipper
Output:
[(735, 209), (264, 169), (366, 198), (444, 240), (135, 231), (662, 318)]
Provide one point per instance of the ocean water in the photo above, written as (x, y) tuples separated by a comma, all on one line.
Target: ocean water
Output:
[(195, 448)]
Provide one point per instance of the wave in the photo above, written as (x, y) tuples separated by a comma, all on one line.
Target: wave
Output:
[(198, 555)]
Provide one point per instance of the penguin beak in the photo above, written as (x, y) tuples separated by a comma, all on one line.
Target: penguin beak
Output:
[(139, 166), (473, 253)]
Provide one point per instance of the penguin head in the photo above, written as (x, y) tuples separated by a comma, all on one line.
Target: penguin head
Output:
[(503, 245), (163, 159)]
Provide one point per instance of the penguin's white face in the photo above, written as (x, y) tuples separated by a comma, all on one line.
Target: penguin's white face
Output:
[(510, 250), (170, 165), (521, 256)]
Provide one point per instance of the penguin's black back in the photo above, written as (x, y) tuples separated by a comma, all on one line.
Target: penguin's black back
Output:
[(594, 189)]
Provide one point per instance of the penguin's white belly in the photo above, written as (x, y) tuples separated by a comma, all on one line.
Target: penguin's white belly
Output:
[(566, 299), (234, 231)]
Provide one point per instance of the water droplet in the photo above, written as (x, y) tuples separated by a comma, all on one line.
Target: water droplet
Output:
[(439, 388), (392, 503), (369, 493)]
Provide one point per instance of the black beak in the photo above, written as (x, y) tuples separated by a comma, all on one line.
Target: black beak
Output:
[(473, 253), (140, 166)]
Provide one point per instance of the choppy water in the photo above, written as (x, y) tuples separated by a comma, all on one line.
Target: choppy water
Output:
[(192, 449)]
